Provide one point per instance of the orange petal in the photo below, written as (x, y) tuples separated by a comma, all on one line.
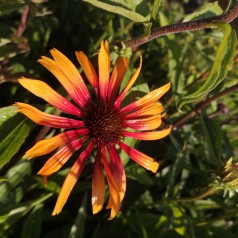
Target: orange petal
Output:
[(98, 185), (147, 99), (114, 198), (87, 68), (149, 123), (129, 84), (140, 158), (117, 76), (104, 69), (44, 91), (45, 119), (46, 146), (150, 135), (72, 178), (69, 84), (118, 171), (60, 158), (70, 71), (150, 110)]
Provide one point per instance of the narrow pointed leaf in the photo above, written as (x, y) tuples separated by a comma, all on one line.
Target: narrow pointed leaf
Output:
[(13, 133), (222, 63)]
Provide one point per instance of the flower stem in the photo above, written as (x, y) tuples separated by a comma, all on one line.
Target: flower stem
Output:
[(184, 27), (208, 192)]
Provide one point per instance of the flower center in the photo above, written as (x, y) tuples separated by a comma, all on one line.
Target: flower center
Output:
[(105, 124)]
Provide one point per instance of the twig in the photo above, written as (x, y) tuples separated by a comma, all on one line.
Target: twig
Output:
[(204, 104), (22, 24), (184, 27)]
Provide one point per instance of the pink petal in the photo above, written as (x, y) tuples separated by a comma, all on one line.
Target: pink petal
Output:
[(72, 178), (114, 198), (117, 170), (43, 90), (104, 69), (60, 158), (129, 85), (117, 76), (46, 146), (150, 135), (45, 119), (140, 158), (98, 184)]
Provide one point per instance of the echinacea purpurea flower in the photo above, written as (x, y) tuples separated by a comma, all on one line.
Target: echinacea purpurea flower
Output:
[(101, 123)]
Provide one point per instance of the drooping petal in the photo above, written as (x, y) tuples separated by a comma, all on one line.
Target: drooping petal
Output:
[(98, 184), (140, 158), (69, 84), (117, 76), (148, 135), (150, 110), (87, 68), (104, 69), (129, 84), (117, 170), (46, 146), (71, 72), (45, 119), (114, 198), (43, 90), (60, 158), (72, 178), (147, 99), (145, 124)]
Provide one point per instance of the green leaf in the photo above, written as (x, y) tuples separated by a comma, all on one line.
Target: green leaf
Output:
[(10, 6), (14, 176), (138, 173), (6, 113), (13, 132), (222, 63), (132, 15), (32, 224), (211, 9), (77, 230), (155, 8), (12, 214), (211, 130)]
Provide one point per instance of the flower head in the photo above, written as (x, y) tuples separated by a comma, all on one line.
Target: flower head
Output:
[(99, 122), (228, 179)]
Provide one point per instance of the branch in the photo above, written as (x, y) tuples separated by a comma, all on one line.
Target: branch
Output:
[(205, 23), (204, 104)]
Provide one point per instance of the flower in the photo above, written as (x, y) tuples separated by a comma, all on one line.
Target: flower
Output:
[(228, 178), (99, 122)]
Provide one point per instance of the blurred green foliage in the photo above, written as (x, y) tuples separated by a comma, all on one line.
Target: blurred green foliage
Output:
[(178, 201)]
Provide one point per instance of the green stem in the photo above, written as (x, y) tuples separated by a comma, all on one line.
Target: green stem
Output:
[(208, 192), (184, 27)]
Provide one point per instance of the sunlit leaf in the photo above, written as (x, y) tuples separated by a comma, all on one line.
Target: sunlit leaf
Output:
[(155, 8), (222, 63), (13, 133), (211, 9), (132, 15)]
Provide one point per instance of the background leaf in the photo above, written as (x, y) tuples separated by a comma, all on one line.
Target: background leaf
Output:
[(13, 133), (222, 63)]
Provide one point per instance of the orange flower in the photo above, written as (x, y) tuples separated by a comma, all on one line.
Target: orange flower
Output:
[(101, 123)]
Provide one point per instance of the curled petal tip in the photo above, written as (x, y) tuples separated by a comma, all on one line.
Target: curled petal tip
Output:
[(155, 167), (96, 208)]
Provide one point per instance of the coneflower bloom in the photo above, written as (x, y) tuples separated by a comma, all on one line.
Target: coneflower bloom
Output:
[(99, 122)]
